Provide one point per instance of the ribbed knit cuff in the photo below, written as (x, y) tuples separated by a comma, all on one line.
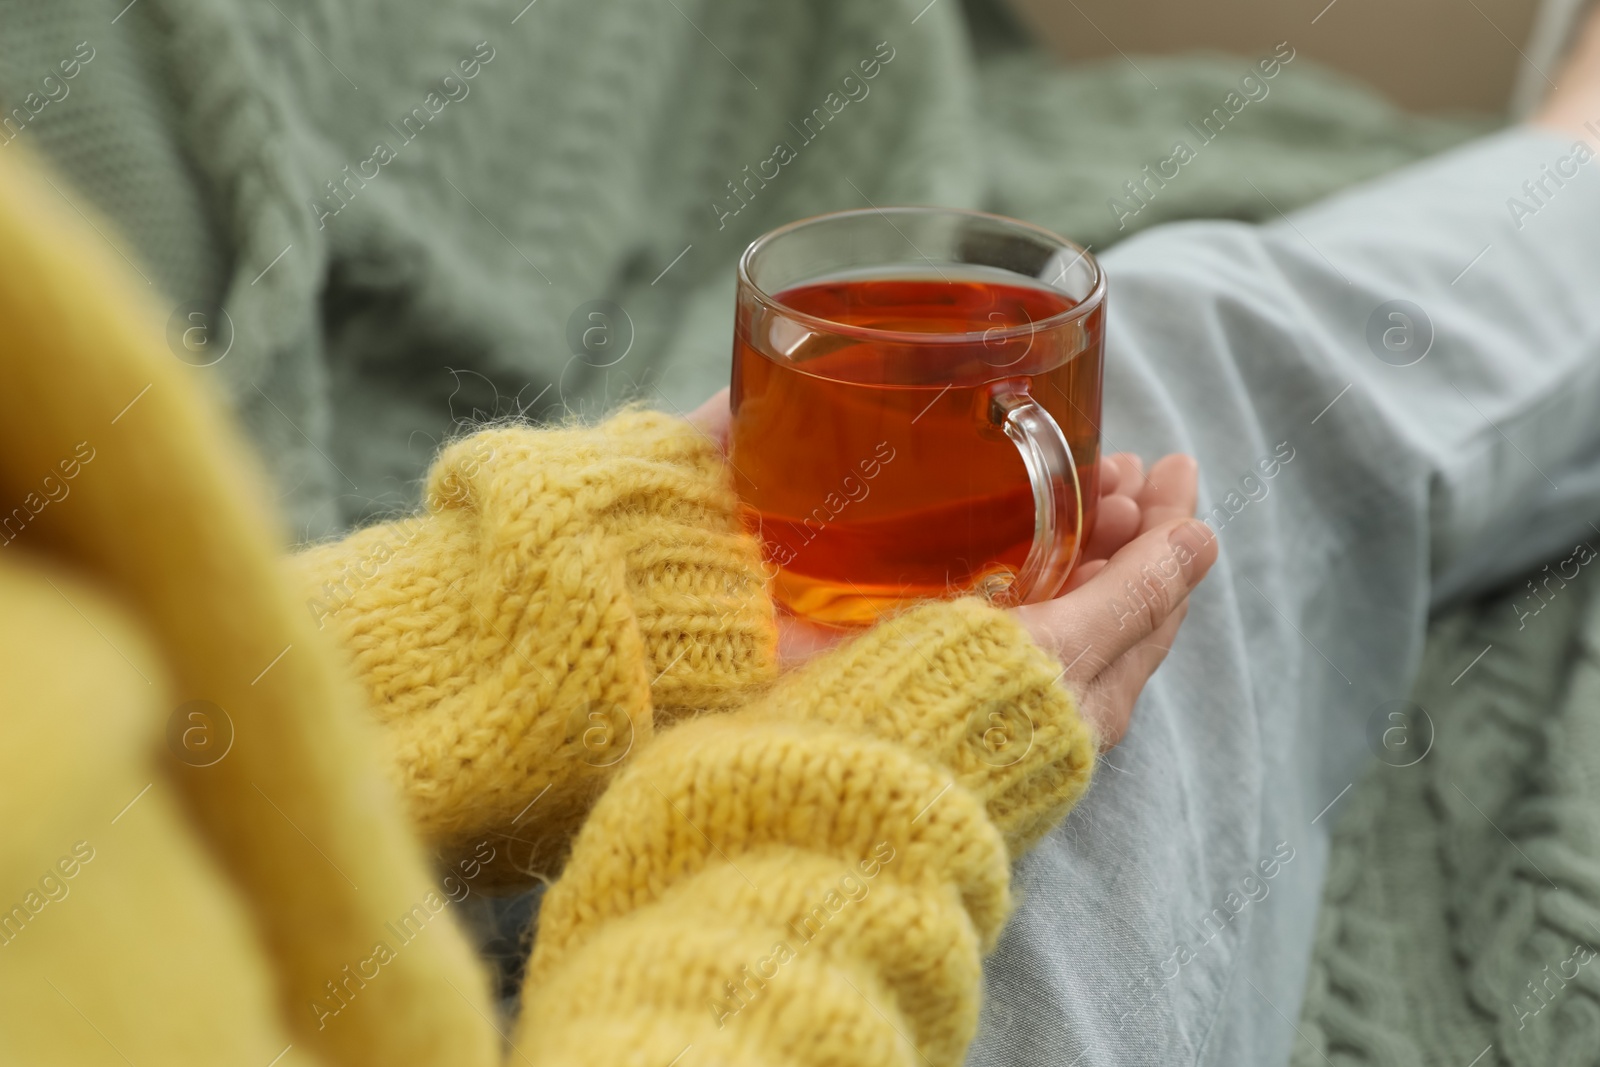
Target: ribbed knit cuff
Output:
[(658, 489), (695, 575), (963, 684), (821, 872), (564, 591)]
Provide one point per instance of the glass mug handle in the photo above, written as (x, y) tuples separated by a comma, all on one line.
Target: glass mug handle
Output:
[(1057, 492)]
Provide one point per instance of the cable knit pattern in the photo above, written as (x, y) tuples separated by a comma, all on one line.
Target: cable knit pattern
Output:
[(813, 880), (1462, 911), (599, 145), (577, 164), (515, 638)]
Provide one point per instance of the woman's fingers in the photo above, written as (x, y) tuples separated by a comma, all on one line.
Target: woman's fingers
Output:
[(1082, 573), (1107, 702), (1121, 472), (1110, 475), (1117, 516), (1170, 491), (1117, 624), (1126, 601), (1117, 520), (1130, 472)]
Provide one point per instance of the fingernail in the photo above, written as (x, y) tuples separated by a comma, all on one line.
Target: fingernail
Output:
[(1188, 540)]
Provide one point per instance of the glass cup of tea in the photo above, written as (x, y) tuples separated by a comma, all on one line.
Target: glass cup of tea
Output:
[(916, 408)]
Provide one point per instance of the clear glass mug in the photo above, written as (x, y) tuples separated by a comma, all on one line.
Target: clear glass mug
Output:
[(916, 408)]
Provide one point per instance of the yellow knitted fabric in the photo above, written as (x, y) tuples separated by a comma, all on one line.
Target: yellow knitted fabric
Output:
[(111, 925), (221, 904), (564, 593), (814, 879), (810, 875)]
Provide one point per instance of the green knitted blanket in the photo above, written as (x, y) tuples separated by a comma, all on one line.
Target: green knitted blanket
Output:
[(1462, 908), (375, 220), (374, 223)]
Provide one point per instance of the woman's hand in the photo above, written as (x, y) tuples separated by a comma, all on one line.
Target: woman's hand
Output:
[(1116, 622), (1123, 602)]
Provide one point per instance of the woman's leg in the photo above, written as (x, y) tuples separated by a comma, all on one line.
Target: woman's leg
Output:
[(1395, 398)]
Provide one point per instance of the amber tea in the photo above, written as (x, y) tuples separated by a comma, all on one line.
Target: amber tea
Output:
[(905, 432)]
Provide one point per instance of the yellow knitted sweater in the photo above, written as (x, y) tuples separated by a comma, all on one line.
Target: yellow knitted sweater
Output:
[(241, 794)]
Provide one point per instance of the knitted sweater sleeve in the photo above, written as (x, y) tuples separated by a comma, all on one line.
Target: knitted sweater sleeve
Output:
[(562, 593), (813, 879)]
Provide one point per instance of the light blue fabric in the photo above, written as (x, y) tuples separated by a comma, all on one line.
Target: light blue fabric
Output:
[(1408, 486)]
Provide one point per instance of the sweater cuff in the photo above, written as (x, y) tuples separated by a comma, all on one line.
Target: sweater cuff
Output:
[(964, 685), (696, 576), (657, 489), (736, 846)]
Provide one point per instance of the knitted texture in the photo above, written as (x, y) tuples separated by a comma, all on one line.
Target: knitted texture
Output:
[(226, 894), (1073, 138), (956, 684), (1462, 910), (580, 160), (565, 593), (601, 145), (268, 901), (813, 880)]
